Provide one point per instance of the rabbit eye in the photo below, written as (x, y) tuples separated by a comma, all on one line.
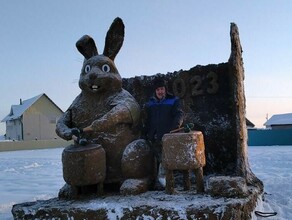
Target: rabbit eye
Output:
[(87, 68), (105, 68)]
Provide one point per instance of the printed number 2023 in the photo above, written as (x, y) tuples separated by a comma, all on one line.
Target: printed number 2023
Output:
[(198, 86)]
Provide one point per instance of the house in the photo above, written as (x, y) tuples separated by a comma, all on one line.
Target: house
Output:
[(249, 124), (279, 121), (33, 119), (278, 132)]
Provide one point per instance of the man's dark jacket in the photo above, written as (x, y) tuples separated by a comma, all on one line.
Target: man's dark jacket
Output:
[(162, 116)]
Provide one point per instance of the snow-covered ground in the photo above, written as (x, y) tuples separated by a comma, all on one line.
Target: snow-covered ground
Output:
[(28, 175), (37, 174), (273, 165)]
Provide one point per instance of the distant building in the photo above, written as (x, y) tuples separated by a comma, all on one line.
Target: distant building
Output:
[(33, 119), (249, 124), (278, 132), (279, 121)]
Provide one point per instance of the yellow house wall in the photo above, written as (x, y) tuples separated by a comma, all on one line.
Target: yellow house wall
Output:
[(39, 121)]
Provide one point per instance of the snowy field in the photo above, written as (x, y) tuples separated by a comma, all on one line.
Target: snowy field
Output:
[(273, 165), (37, 174), (28, 175)]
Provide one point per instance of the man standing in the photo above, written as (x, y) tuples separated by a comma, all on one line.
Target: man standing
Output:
[(164, 114)]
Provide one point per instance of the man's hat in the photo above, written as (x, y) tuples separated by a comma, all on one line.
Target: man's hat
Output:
[(159, 82)]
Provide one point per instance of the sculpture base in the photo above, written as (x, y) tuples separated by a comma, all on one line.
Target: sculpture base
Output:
[(149, 205)]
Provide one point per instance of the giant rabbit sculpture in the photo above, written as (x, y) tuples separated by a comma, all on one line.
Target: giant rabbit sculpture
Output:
[(106, 114)]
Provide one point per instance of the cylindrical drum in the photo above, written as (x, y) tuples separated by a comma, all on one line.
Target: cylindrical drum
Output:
[(84, 165)]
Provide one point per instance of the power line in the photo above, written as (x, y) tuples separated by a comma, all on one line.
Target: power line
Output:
[(269, 97)]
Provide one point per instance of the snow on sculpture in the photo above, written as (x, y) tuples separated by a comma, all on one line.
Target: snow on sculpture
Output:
[(103, 115)]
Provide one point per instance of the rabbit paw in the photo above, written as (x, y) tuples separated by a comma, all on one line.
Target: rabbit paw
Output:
[(77, 132), (82, 141)]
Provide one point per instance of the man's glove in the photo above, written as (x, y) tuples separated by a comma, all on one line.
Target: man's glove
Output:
[(188, 127)]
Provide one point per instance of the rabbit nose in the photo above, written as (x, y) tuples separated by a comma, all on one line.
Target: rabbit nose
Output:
[(92, 76)]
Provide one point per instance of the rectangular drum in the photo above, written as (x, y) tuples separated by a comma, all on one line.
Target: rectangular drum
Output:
[(183, 151)]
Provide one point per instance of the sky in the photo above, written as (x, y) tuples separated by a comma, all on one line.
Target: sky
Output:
[(38, 53)]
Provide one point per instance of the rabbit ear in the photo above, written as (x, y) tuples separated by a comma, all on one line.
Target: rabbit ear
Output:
[(86, 46), (114, 38)]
